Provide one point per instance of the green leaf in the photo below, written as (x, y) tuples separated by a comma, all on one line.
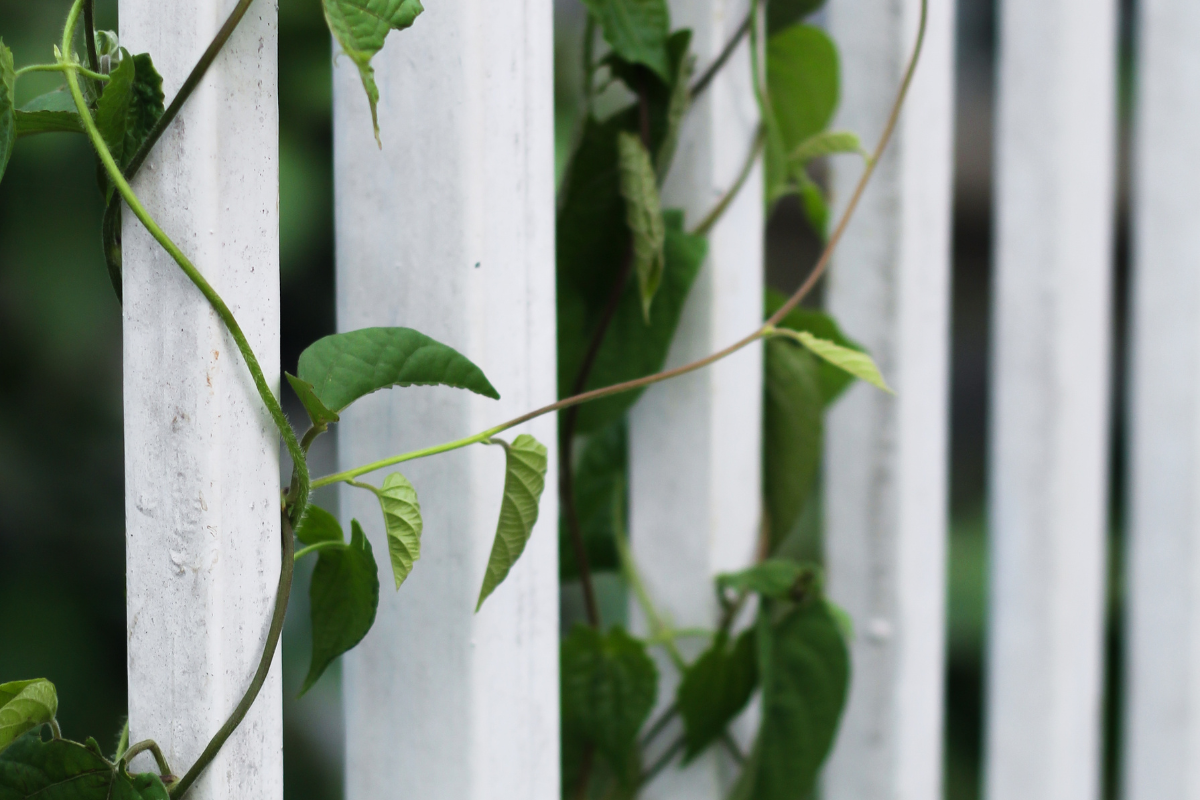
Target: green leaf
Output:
[(8, 100), (774, 578), (637, 31), (816, 209), (857, 363), (318, 525), (802, 81), (782, 13), (66, 770), (53, 112), (793, 432), (643, 214), (524, 481), (834, 380), (600, 488), (609, 685), (346, 366), (715, 689), (360, 27), (344, 596), (25, 705), (805, 673), (132, 101), (320, 416), (828, 143), (402, 519)]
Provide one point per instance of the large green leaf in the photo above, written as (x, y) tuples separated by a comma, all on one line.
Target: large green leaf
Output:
[(834, 380), (609, 685), (346, 366), (524, 481), (132, 101), (643, 214), (53, 112), (855, 362), (360, 27), (637, 31), (344, 596), (774, 578), (804, 667), (318, 525), (25, 705), (63, 770), (600, 489), (782, 13), (8, 100), (793, 432), (715, 689), (402, 519)]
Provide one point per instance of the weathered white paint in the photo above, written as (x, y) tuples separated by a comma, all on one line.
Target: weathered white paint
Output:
[(201, 453), (1163, 712), (695, 442), (450, 230), (1049, 435), (885, 462)]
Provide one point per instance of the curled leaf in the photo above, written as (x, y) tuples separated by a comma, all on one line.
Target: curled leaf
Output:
[(25, 705), (857, 363), (524, 480), (320, 416), (827, 143), (643, 213), (402, 519)]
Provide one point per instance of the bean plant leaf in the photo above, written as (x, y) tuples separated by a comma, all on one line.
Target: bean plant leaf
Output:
[(346, 366), (402, 519), (793, 432), (609, 685), (25, 705), (53, 112), (600, 489), (827, 143), (524, 481), (804, 668), (320, 416), (637, 31), (132, 101), (834, 380), (345, 597), (857, 363), (360, 27), (816, 208), (66, 770), (8, 100), (773, 578), (715, 689), (643, 213), (318, 525), (782, 13)]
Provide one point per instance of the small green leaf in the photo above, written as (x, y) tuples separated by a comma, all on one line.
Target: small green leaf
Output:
[(816, 209), (802, 81), (524, 481), (858, 364), (637, 31), (609, 685), (360, 27), (8, 100), (320, 416), (345, 596), (782, 13), (772, 578), (132, 101), (827, 143), (318, 525), (25, 705), (834, 380), (64, 770), (402, 519), (346, 366), (643, 213), (715, 689), (793, 432), (53, 112)]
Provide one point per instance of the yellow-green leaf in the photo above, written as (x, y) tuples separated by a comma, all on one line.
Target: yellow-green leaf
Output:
[(857, 363), (643, 213), (827, 143), (25, 705), (402, 518), (524, 481)]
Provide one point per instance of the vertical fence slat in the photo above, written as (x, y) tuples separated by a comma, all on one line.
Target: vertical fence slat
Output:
[(201, 453), (450, 230), (1047, 493), (885, 456), (695, 453), (1163, 702)]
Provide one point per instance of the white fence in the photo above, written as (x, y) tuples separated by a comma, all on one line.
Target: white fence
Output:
[(450, 229)]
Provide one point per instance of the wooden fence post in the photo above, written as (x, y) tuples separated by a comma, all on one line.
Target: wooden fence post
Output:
[(1049, 437), (885, 464), (450, 230), (1163, 616), (695, 442), (201, 452)]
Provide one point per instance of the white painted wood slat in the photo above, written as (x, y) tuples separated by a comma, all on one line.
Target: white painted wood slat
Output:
[(885, 463), (1049, 435), (1162, 734), (201, 452), (450, 230)]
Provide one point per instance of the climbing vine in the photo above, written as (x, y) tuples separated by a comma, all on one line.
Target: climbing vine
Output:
[(626, 266)]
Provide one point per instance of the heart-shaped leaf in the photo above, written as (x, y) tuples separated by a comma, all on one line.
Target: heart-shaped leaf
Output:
[(8, 100), (132, 101), (344, 596), (318, 525), (25, 705), (524, 481), (643, 213), (346, 366), (402, 519), (715, 689), (637, 31), (66, 770)]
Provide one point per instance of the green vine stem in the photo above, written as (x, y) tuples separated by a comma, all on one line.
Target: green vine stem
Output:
[(713, 217), (312, 548), (87, 73), (163, 768), (705, 79)]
